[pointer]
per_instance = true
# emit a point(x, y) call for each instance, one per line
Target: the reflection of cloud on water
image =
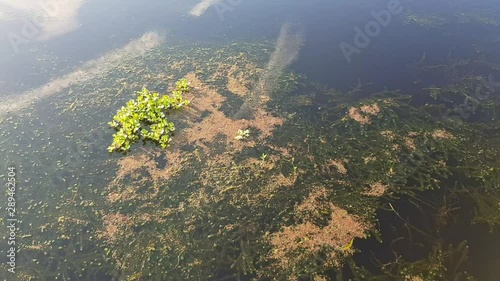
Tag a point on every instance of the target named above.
point(5, 16)
point(202, 7)
point(52, 17)
point(288, 45)
point(89, 70)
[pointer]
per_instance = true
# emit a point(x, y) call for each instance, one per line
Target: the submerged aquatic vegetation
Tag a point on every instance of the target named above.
point(148, 110)
point(459, 12)
point(291, 203)
point(298, 211)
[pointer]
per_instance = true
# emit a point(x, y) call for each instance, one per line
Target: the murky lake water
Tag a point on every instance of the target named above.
point(324, 140)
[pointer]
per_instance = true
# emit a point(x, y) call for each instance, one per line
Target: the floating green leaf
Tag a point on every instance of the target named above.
point(149, 110)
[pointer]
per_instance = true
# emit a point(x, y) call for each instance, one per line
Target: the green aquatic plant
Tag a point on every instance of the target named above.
point(148, 110)
point(242, 134)
point(182, 85)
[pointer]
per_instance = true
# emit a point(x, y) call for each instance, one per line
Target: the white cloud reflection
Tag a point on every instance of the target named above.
point(51, 18)
point(90, 70)
point(202, 7)
point(287, 48)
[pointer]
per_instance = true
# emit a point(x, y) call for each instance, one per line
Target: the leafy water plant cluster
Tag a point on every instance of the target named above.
point(148, 110)
point(242, 134)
